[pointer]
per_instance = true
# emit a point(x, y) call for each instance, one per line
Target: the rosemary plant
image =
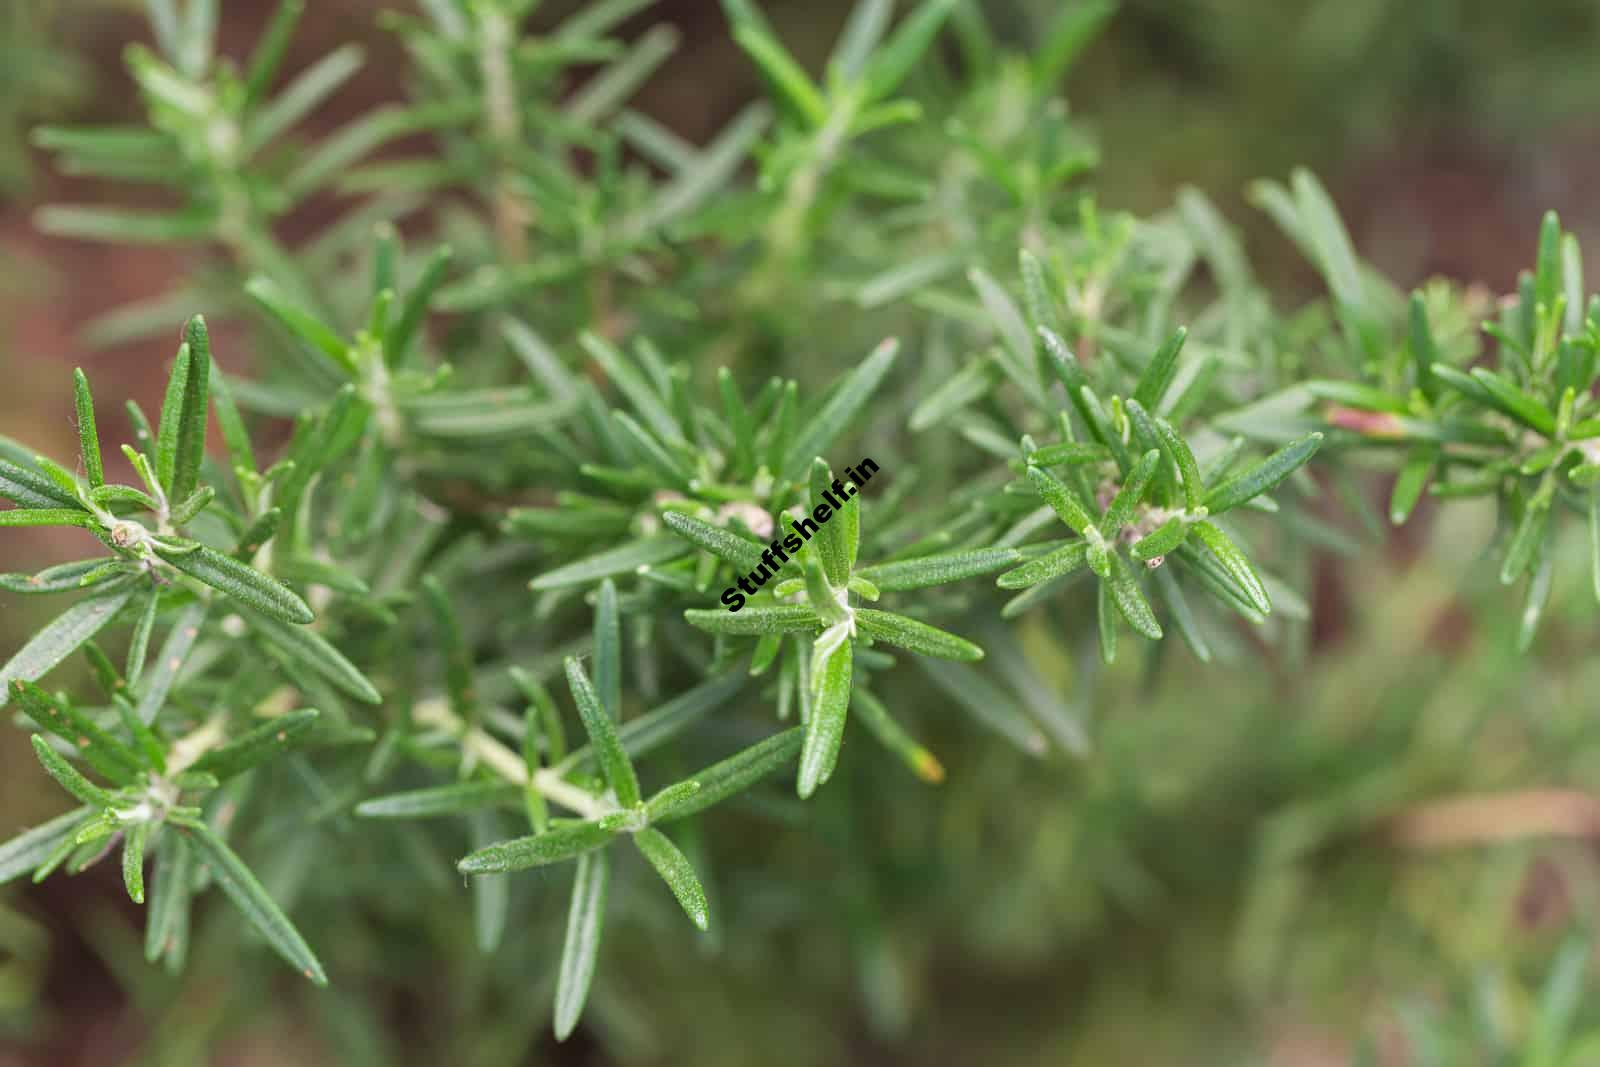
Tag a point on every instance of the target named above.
point(532, 441)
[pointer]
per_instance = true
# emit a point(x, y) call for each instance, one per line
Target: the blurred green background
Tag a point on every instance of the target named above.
point(1386, 843)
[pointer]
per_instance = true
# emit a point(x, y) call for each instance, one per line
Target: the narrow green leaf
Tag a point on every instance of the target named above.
point(47, 517)
point(1062, 500)
point(674, 868)
point(608, 650)
point(251, 897)
point(174, 650)
point(792, 87)
point(1106, 617)
point(300, 322)
point(838, 539)
point(241, 457)
point(189, 444)
point(26, 489)
point(1131, 600)
point(1526, 541)
point(754, 620)
point(1056, 564)
point(309, 649)
point(453, 644)
point(742, 552)
point(1235, 565)
point(59, 639)
point(241, 582)
point(68, 777)
point(729, 777)
point(1264, 475)
point(1547, 272)
point(1074, 26)
point(846, 400)
point(1159, 372)
point(1424, 353)
point(1016, 359)
point(30, 848)
point(900, 54)
point(939, 569)
point(185, 511)
point(166, 930)
point(825, 728)
point(871, 713)
point(397, 341)
point(106, 754)
point(656, 727)
point(133, 860)
point(88, 437)
point(581, 948)
point(1538, 596)
point(1068, 453)
point(1036, 295)
point(1413, 479)
point(167, 428)
point(301, 96)
point(457, 798)
point(1512, 400)
point(1163, 539)
point(491, 893)
point(1120, 511)
point(139, 644)
point(62, 578)
point(269, 51)
point(609, 753)
point(988, 704)
point(256, 744)
point(629, 558)
point(917, 636)
point(1181, 614)
point(560, 842)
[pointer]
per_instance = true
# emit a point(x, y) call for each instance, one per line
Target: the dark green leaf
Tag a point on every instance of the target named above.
point(917, 636)
point(251, 897)
point(1263, 476)
point(68, 777)
point(609, 753)
point(307, 648)
point(560, 842)
point(27, 489)
point(241, 582)
point(754, 620)
point(846, 400)
point(88, 437)
point(256, 744)
point(940, 569)
point(728, 777)
point(59, 639)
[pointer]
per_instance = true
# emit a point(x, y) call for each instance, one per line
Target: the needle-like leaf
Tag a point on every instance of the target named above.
point(675, 869)
point(825, 729)
point(581, 949)
point(251, 897)
point(241, 582)
point(609, 753)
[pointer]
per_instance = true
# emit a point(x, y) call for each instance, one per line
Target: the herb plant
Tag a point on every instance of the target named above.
point(509, 468)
